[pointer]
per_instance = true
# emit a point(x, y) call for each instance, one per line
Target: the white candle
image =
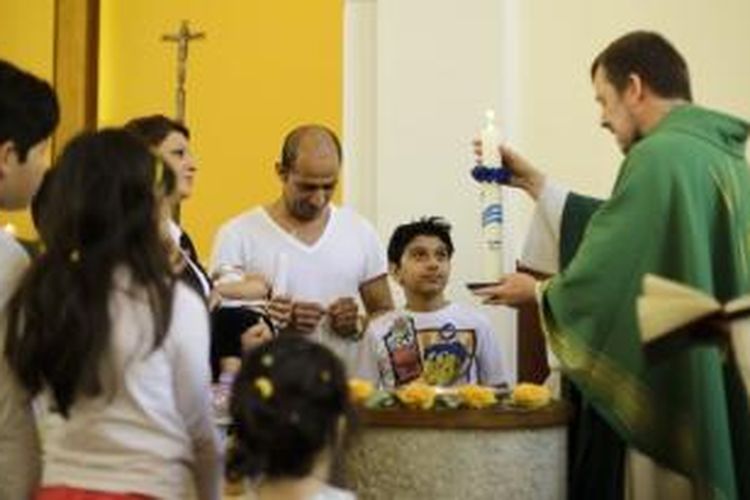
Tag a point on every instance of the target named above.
point(492, 232)
point(281, 275)
point(490, 141)
point(492, 204)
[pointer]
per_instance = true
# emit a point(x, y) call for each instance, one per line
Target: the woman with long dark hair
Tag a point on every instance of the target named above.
point(115, 346)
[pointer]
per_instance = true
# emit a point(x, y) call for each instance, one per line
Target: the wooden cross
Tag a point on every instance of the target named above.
point(183, 37)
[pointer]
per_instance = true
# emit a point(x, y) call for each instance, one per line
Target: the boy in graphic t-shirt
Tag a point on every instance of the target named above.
point(431, 338)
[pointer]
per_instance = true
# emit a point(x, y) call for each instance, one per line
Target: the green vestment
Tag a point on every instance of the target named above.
point(680, 209)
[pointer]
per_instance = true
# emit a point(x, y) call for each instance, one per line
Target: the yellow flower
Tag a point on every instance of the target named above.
point(476, 396)
point(530, 395)
point(416, 395)
point(264, 386)
point(360, 390)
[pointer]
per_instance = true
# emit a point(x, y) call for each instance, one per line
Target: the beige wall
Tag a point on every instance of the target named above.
point(559, 118)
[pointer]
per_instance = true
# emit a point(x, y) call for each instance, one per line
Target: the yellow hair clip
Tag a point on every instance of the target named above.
point(74, 256)
point(159, 172)
point(264, 386)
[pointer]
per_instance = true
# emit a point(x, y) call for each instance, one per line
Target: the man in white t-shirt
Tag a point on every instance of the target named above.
point(433, 339)
point(28, 115)
point(318, 257)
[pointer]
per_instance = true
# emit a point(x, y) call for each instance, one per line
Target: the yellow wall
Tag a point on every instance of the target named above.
point(263, 67)
point(26, 29)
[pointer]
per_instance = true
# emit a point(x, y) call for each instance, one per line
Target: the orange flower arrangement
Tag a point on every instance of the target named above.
point(530, 395)
point(360, 390)
point(416, 395)
point(476, 396)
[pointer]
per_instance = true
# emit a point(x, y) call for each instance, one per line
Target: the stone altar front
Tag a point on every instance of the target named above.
point(500, 453)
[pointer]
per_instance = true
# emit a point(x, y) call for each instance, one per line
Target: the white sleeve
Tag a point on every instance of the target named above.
point(192, 377)
point(491, 369)
point(228, 248)
point(19, 443)
point(375, 259)
point(541, 250)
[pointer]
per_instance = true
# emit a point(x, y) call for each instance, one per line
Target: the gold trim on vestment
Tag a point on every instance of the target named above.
point(631, 402)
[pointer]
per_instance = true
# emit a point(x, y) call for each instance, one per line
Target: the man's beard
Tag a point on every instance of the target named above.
point(304, 212)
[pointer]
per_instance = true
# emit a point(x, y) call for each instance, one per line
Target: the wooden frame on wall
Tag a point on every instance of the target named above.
point(76, 54)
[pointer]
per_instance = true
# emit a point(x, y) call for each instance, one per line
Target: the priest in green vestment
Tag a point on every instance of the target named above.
point(680, 208)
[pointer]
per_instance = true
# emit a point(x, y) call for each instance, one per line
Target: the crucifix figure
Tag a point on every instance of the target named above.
point(183, 37)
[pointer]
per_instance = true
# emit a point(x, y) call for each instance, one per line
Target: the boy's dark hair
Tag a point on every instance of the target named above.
point(281, 428)
point(154, 129)
point(426, 226)
point(650, 56)
point(96, 216)
point(29, 111)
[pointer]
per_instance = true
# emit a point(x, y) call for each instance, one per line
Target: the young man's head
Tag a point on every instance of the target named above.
point(419, 256)
point(632, 79)
point(309, 169)
point(29, 113)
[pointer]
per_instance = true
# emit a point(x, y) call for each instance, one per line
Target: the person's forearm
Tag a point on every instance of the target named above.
point(533, 185)
point(243, 290)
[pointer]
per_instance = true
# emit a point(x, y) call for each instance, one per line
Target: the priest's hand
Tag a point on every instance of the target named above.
point(512, 290)
point(524, 175)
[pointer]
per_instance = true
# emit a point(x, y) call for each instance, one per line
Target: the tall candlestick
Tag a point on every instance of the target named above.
point(491, 196)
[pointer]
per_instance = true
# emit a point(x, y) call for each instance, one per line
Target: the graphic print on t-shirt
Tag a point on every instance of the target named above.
point(447, 354)
point(403, 351)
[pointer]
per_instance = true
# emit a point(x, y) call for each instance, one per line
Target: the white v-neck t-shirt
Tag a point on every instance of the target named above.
point(347, 255)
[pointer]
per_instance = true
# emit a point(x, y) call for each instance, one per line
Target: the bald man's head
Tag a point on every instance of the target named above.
point(309, 171)
point(313, 140)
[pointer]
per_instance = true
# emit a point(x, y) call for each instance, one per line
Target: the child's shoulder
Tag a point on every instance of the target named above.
point(468, 313)
point(383, 321)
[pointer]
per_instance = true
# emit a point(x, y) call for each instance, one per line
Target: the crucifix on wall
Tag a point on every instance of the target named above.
point(183, 37)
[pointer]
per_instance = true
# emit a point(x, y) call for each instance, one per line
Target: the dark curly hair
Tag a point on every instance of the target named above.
point(153, 129)
point(426, 226)
point(281, 433)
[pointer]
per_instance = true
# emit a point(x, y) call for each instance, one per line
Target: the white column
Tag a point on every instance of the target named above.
point(360, 107)
point(419, 76)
